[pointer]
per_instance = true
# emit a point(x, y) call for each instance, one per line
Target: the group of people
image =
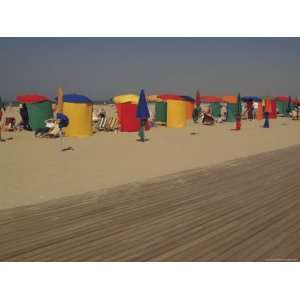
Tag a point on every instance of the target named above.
point(249, 110)
point(206, 116)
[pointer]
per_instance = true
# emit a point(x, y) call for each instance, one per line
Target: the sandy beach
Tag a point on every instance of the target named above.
point(34, 170)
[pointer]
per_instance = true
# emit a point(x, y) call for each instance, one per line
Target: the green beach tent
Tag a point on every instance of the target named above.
point(216, 109)
point(161, 111)
point(231, 112)
point(38, 113)
point(282, 108)
point(39, 109)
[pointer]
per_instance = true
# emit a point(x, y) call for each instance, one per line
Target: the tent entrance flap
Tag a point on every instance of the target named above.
point(161, 112)
point(38, 113)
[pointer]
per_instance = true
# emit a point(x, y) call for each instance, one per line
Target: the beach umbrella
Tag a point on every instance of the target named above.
point(31, 98)
point(142, 111)
point(143, 114)
point(239, 104)
point(198, 98)
point(238, 113)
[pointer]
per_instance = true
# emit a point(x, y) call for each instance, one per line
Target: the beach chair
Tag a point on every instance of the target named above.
point(101, 124)
point(112, 124)
point(10, 124)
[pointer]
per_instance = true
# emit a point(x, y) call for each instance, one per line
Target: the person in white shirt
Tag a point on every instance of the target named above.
point(255, 108)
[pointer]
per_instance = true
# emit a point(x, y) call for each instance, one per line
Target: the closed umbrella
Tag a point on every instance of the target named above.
point(238, 113)
point(289, 109)
point(198, 98)
point(143, 114)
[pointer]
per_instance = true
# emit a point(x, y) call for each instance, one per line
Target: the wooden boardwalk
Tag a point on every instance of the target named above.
point(244, 210)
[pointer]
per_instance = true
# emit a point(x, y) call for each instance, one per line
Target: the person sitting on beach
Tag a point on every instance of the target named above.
point(95, 115)
point(49, 124)
point(224, 112)
point(207, 119)
point(102, 113)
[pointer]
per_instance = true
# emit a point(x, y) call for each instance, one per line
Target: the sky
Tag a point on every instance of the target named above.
point(101, 68)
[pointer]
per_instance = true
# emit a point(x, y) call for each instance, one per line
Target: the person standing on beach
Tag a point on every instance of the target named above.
point(2, 110)
point(266, 123)
point(255, 108)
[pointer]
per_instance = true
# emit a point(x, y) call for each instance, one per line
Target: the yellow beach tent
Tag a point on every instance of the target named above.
point(176, 113)
point(131, 98)
point(79, 110)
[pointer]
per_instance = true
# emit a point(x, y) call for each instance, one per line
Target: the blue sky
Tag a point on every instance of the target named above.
point(103, 67)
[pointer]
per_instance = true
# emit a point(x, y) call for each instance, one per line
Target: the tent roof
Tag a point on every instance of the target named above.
point(251, 98)
point(282, 98)
point(75, 98)
point(211, 99)
point(31, 98)
point(230, 99)
point(126, 98)
point(175, 97)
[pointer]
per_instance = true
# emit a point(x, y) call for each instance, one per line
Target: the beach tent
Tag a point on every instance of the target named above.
point(251, 98)
point(189, 102)
point(176, 114)
point(127, 117)
point(78, 109)
point(211, 99)
point(39, 109)
point(214, 102)
point(216, 109)
point(231, 112)
point(126, 98)
point(153, 98)
point(161, 111)
point(282, 103)
point(229, 99)
point(270, 107)
point(189, 109)
point(176, 109)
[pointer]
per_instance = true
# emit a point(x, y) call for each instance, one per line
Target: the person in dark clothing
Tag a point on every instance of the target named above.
point(102, 113)
point(250, 110)
point(24, 117)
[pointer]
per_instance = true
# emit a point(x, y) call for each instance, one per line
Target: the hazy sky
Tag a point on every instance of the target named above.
point(103, 67)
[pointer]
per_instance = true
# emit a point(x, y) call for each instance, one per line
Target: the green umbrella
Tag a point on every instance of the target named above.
point(239, 104)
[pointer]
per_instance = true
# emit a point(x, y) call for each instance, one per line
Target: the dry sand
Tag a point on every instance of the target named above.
point(35, 170)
